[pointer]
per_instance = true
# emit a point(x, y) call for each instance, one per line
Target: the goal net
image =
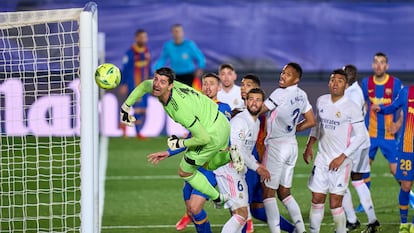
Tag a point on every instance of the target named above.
point(48, 124)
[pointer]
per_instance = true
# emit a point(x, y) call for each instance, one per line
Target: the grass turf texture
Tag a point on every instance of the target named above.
point(141, 197)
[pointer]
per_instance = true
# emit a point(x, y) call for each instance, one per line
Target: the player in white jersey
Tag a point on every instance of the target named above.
point(360, 161)
point(286, 105)
point(338, 120)
point(243, 134)
point(230, 92)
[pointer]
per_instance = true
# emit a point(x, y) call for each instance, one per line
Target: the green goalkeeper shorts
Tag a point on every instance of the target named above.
point(197, 156)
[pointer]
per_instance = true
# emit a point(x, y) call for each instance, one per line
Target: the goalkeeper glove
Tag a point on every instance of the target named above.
point(175, 143)
point(126, 118)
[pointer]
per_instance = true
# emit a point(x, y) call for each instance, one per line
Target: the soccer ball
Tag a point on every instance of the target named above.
point(107, 76)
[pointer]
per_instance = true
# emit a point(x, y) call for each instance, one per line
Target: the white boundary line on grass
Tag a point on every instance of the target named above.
point(212, 225)
point(176, 177)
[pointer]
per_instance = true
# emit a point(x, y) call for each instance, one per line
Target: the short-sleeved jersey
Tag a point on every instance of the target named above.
point(286, 106)
point(136, 66)
point(405, 101)
point(232, 98)
point(243, 133)
point(354, 93)
point(382, 94)
point(334, 127)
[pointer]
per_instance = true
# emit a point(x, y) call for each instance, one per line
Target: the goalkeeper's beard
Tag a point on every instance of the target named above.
point(254, 113)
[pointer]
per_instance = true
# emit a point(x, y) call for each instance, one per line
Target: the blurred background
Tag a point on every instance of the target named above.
point(261, 36)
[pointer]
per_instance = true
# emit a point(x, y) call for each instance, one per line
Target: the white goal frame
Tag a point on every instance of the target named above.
point(89, 93)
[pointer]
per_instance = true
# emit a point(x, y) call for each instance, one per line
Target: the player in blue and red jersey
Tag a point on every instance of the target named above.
point(381, 88)
point(137, 68)
point(405, 156)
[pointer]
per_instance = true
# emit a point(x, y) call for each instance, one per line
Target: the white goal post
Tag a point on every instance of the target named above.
point(49, 143)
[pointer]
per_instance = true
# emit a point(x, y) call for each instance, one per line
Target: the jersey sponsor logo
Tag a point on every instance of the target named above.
point(370, 90)
point(410, 110)
point(410, 100)
point(380, 101)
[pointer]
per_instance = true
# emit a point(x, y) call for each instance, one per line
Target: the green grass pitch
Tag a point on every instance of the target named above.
point(141, 197)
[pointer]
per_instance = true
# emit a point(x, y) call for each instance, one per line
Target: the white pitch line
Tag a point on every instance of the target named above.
point(212, 225)
point(176, 177)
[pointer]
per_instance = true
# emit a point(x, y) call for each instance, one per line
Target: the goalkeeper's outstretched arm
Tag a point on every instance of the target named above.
point(136, 94)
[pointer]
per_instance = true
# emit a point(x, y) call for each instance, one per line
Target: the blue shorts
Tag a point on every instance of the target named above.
point(188, 190)
point(387, 147)
point(143, 102)
point(254, 187)
point(405, 169)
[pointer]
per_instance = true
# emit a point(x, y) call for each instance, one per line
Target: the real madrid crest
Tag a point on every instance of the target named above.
point(338, 114)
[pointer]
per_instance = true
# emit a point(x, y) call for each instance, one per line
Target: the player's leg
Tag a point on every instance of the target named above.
point(337, 211)
point(366, 176)
point(338, 184)
point(186, 219)
point(405, 174)
point(317, 211)
point(188, 170)
point(290, 152)
point(234, 185)
point(352, 221)
point(275, 168)
point(196, 205)
point(200, 155)
point(237, 221)
point(198, 213)
point(257, 208)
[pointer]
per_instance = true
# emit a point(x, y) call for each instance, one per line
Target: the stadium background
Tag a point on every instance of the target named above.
point(258, 37)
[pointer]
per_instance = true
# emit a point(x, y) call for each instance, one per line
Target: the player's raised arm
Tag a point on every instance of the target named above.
point(136, 94)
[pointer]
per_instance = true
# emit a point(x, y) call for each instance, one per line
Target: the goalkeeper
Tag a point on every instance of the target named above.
point(210, 129)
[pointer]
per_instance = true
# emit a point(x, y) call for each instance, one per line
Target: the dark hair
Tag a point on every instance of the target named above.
point(351, 71)
point(297, 67)
point(256, 91)
point(340, 72)
point(226, 65)
point(176, 25)
point(211, 75)
point(166, 72)
point(253, 77)
point(139, 31)
point(381, 54)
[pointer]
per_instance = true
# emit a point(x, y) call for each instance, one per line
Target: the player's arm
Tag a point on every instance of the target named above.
point(393, 107)
point(270, 103)
point(308, 121)
point(359, 131)
point(136, 94)
point(313, 138)
point(199, 135)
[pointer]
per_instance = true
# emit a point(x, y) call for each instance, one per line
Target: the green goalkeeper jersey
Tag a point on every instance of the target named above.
point(186, 106)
